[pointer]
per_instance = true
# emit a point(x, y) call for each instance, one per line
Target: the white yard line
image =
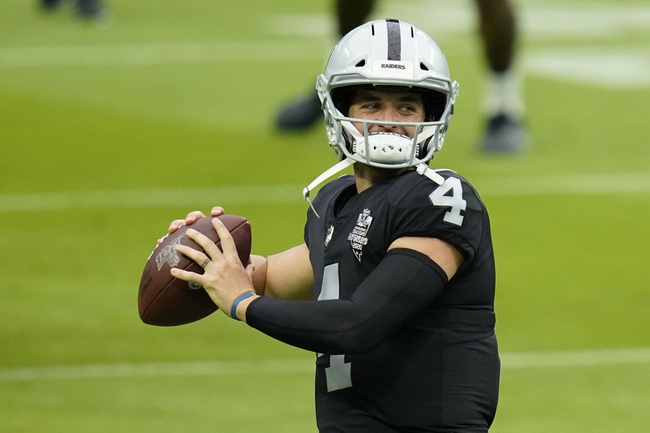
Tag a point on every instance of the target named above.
point(262, 194)
point(597, 184)
point(308, 37)
point(199, 368)
point(561, 184)
point(510, 361)
point(537, 19)
point(157, 54)
point(604, 67)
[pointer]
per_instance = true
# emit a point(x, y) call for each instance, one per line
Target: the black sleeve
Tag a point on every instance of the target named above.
point(405, 283)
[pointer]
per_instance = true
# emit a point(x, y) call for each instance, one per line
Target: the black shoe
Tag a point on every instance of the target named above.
point(299, 115)
point(90, 9)
point(504, 135)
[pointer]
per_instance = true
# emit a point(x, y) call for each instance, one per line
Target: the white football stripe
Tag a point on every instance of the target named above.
point(621, 68)
point(613, 183)
point(198, 368)
point(575, 184)
point(262, 194)
point(156, 54)
point(579, 358)
point(594, 64)
point(527, 360)
point(440, 18)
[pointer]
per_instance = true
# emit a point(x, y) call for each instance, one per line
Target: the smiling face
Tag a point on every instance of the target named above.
point(388, 105)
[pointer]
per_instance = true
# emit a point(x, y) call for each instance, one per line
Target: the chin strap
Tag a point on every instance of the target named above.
point(324, 176)
point(424, 170)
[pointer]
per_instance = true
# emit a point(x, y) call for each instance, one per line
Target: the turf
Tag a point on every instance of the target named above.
point(109, 132)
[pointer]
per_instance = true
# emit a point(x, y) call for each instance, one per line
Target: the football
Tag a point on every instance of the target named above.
point(167, 301)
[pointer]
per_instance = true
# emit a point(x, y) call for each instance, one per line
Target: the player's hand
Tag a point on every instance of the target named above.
point(224, 277)
point(190, 219)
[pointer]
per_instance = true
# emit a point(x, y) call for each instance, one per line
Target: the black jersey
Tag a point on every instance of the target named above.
point(440, 371)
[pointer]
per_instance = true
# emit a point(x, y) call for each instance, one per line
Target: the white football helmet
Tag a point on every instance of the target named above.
point(385, 53)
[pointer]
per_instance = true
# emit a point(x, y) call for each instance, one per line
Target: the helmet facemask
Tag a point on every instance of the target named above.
point(385, 149)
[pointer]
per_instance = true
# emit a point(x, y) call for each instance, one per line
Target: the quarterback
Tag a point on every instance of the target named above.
point(394, 285)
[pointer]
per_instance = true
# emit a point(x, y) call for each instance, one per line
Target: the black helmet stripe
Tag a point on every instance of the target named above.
point(394, 40)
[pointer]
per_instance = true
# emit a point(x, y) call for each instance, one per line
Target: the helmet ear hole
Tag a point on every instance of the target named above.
point(361, 64)
point(423, 67)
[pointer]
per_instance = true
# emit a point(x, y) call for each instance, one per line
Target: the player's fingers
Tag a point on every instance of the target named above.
point(189, 219)
point(204, 242)
point(227, 242)
point(217, 210)
point(198, 256)
point(175, 225)
point(193, 216)
point(186, 275)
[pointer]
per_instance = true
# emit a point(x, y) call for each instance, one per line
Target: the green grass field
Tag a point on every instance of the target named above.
point(109, 132)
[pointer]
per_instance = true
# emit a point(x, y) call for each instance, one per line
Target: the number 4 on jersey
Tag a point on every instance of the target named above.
point(441, 197)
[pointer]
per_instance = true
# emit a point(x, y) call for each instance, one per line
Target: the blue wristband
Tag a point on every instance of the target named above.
point(238, 299)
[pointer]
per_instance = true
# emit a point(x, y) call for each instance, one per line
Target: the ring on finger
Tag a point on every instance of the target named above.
point(205, 263)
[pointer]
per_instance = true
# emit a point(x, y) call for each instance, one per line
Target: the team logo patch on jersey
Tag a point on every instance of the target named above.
point(328, 236)
point(358, 238)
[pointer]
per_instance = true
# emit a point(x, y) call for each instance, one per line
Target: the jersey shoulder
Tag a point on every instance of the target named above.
point(413, 190)
point(447, 207)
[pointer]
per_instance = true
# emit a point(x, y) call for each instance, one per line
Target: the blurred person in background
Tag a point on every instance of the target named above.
point(87, 9)
point(503, 101)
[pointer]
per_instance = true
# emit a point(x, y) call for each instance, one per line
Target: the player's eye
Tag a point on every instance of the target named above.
point(371, 106)
point(408, 108)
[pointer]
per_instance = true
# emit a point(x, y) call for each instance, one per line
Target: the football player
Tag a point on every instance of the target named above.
point(394, 285)
point(87, 9)
point(505, 131)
